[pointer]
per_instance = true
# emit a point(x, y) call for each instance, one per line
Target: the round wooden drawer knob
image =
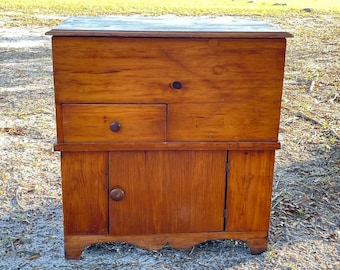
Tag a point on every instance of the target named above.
point(115, 126)
point(176, 85)
point(117, 194)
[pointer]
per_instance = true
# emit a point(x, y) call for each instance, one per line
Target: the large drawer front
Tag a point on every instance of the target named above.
point(141, 70)
point(91, 123)
point(248, 120)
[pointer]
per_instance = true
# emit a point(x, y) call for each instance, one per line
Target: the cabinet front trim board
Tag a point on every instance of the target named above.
point(162, 146)
point(75, 244)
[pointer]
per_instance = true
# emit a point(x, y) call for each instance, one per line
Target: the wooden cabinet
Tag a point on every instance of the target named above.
point(167, 128)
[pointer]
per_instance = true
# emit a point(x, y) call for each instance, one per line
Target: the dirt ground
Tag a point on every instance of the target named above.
point(305, 220)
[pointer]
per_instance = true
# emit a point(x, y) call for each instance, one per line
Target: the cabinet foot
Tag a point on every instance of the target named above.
point(257, 245)
point(73, 251)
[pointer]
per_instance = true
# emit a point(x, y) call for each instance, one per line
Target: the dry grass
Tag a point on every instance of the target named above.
point(28, 12)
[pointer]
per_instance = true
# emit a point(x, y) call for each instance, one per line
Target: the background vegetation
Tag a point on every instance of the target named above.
point(28, 12)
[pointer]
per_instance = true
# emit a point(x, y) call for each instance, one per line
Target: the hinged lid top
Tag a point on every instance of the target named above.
point(168, 26)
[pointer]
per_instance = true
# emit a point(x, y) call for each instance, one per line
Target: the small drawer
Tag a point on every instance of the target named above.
point(247, 120)
point(114, 123)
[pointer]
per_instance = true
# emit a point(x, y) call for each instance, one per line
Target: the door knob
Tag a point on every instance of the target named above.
point(115, 126)
point(117, 194)
point(177, 85)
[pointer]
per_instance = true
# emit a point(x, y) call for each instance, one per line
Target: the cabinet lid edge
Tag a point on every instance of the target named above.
point(168, 26)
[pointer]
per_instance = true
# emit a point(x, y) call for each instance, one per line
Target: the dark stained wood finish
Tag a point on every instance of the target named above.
point(91, 123)
point(85, 196)
point(97, 70)
point(167, 192)
point(249, 190)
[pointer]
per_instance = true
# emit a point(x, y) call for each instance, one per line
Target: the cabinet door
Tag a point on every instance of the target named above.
point(167, 191)
point(85, 185)
point(249, 188)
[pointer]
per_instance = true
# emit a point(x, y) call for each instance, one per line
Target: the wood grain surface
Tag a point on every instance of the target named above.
point(113, 70)
point(91, 123)
point(250, 181)
point(168, 191)
point(246, 120)
point(85, 196)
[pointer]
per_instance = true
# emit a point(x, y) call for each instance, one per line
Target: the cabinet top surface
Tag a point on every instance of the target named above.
point(168, 26)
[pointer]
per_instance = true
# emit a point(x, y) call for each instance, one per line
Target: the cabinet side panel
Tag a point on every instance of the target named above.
point(85, 196)
point(249, 190)
point(59, 122)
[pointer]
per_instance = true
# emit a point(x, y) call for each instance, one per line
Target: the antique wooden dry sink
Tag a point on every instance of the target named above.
point(167, 129)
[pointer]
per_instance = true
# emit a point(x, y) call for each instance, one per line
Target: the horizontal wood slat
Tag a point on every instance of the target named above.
point(162, 146)
point(75, 243)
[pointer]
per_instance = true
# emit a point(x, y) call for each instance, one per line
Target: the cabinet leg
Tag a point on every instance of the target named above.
point(73, 251)
point(257, 245)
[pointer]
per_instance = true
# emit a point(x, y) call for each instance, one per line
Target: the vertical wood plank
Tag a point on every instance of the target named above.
point(59, 122)
point(249, 190)
point(194, 186)
point(127, 172)
point(168, 191)
point(85, 192)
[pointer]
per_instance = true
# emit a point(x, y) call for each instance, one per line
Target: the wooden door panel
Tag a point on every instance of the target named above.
point(85, 185)
point(249, 190)
point(167, 191)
